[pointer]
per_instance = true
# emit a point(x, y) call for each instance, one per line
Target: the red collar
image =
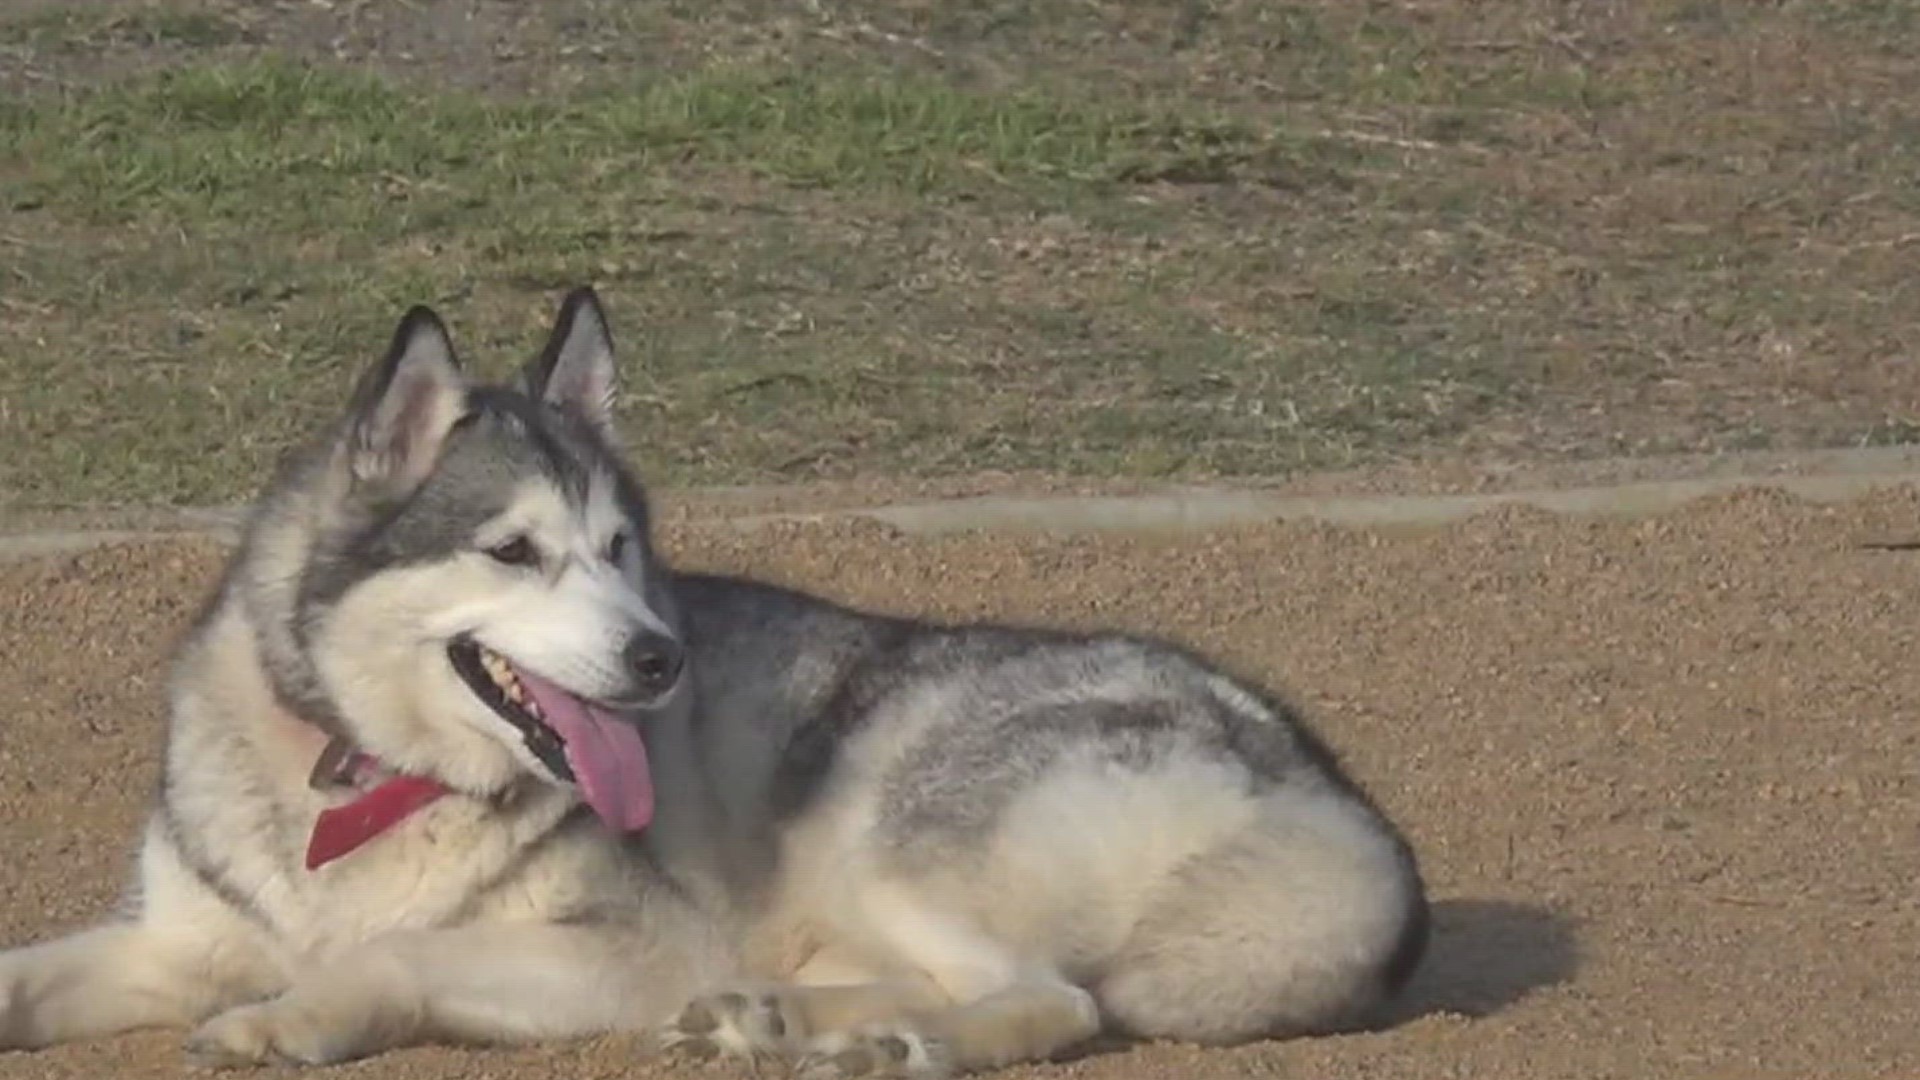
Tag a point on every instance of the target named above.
point(386, 799)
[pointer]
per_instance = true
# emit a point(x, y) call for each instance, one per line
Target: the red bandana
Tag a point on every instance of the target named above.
point(341, 829)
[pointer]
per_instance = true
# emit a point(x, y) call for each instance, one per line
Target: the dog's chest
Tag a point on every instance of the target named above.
point(445, 864)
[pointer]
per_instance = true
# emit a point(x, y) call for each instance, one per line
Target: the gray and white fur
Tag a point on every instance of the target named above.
point(878, 846)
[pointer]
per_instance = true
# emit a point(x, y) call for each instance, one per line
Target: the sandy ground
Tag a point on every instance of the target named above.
point(1661, 773)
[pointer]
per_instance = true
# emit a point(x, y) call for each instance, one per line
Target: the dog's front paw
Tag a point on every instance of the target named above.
point(269, 1033)
point(885, 1050)
point(750, 1023)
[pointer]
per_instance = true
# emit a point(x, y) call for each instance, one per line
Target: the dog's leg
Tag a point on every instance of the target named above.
point(184, 956)
point(1305, 922)
point(1032, 1020)
point(484, 983)
point(103, 981)
point(828, 994)
point(972, 1004)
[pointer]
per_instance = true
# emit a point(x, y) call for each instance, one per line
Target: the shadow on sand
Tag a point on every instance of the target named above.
point(1484, 956)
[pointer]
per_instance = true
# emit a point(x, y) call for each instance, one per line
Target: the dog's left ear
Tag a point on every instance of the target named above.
point(575, 371)
point(405, 405)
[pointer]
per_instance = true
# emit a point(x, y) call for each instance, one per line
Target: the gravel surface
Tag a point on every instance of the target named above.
point(1661, 772)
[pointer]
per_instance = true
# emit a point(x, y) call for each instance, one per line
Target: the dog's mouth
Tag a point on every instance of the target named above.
point(495, 683)
point(578, 740)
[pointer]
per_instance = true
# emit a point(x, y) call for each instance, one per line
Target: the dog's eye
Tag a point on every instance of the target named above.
point(515, 552)
point(616, 547)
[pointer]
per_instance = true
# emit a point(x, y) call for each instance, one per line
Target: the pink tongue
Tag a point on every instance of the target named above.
point(605, 752)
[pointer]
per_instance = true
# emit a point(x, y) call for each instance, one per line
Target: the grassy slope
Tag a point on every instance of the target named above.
point(1170, 239)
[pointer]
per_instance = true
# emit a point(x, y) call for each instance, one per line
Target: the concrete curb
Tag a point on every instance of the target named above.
point(1832, 477)
point(1209, 510)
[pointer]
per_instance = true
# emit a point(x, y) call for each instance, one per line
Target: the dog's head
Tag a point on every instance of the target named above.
point(477, 595)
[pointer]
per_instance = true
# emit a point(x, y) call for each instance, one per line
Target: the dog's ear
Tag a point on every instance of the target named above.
point(575, 371)
point(406, 404)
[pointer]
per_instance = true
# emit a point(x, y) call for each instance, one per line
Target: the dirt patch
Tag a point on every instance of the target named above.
point(1660, 772)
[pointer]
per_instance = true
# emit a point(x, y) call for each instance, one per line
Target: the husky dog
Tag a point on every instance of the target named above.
point(402, 783)
point(454, 756)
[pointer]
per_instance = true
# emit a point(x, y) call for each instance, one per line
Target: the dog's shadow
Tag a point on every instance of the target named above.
point(1485, 955)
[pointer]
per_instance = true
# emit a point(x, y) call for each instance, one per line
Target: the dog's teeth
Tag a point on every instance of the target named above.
point(502, 674)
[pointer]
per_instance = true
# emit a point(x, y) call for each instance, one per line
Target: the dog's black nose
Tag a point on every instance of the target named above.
point(655, 660)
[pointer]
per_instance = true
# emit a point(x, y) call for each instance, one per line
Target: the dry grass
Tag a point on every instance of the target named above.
point(1146, 239)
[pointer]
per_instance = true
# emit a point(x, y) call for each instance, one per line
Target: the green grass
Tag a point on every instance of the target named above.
point(264, 222)
point(218, 143)
point(1151, 239)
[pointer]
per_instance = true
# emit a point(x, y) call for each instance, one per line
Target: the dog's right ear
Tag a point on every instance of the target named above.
point(406, 404)
point(575, 371)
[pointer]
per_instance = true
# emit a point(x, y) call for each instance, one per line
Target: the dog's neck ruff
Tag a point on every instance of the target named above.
point(385, 800)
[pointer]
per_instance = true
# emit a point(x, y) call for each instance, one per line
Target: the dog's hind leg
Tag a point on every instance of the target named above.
point(1031, 1020)
point(998, 1009)
point(773, 1020)
point(829, 993)
point(948, 999)
point(904, 1026)
point(1303, 923)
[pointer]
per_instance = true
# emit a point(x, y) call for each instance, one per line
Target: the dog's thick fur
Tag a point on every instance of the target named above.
point(878, 846)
